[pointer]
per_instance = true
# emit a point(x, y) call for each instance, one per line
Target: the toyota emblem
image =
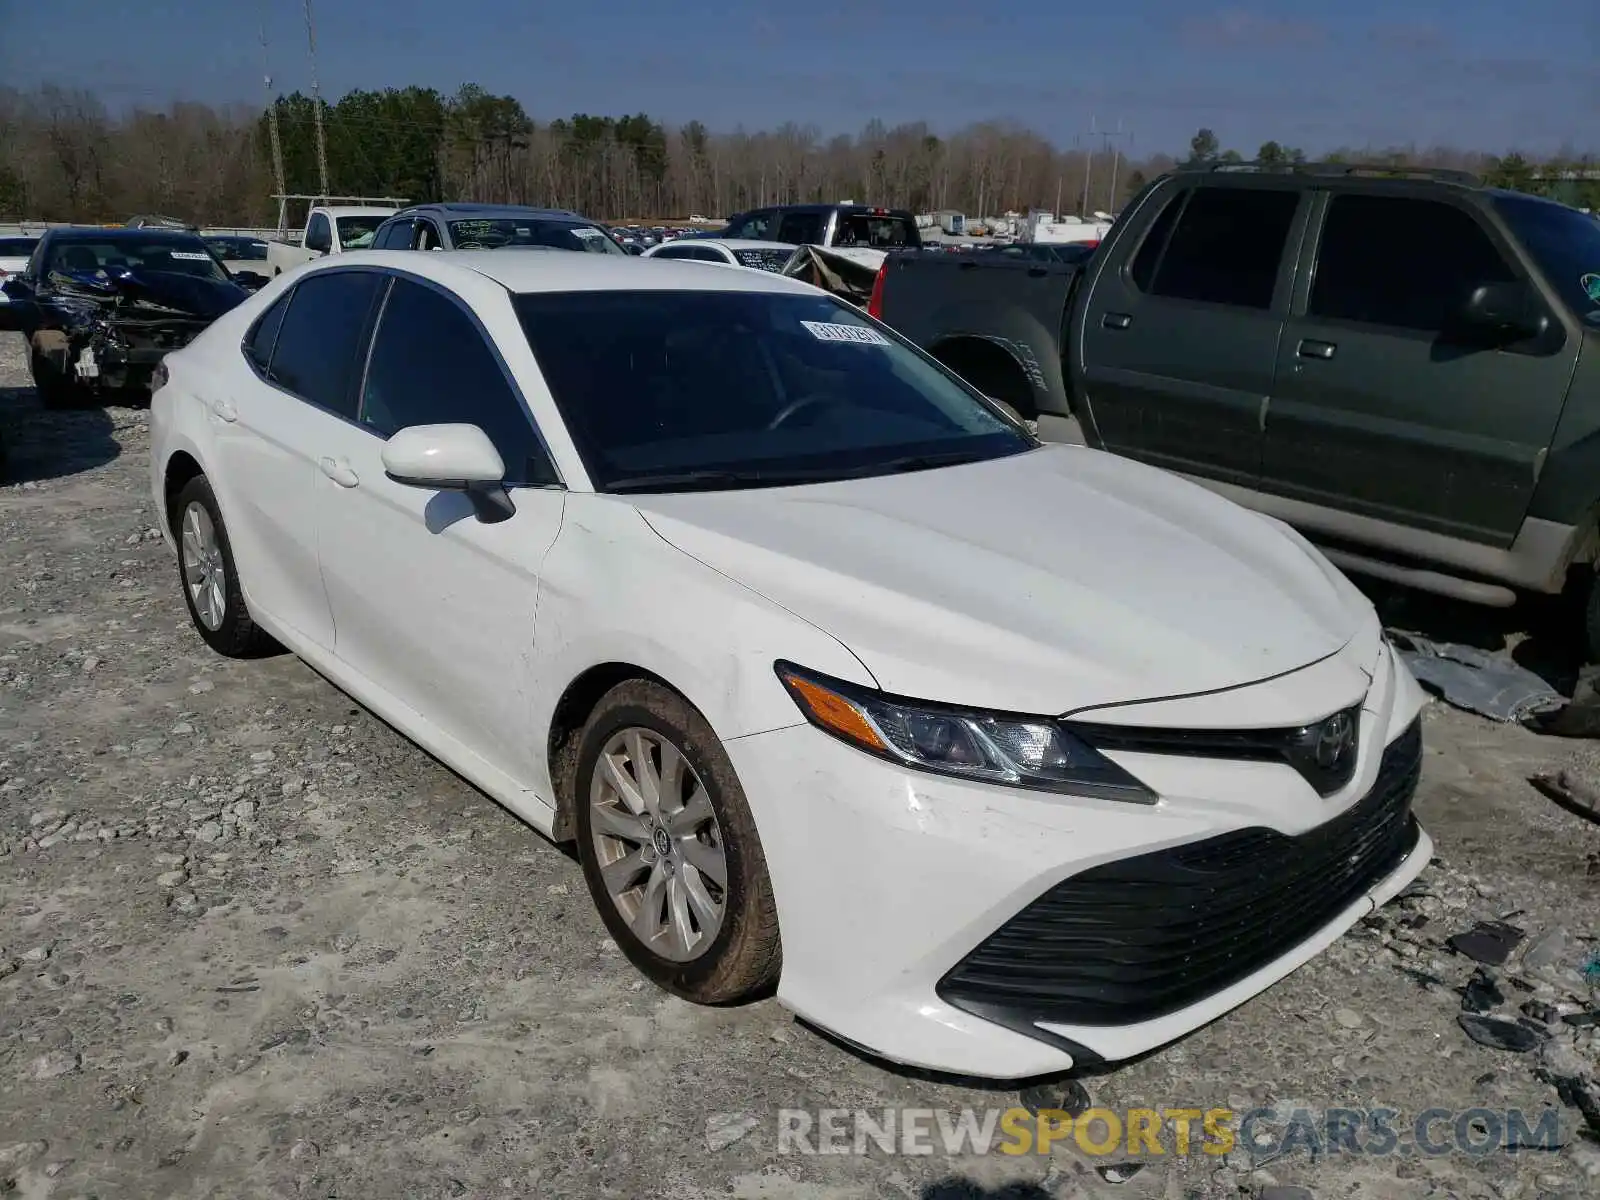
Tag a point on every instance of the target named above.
point(1335, 738)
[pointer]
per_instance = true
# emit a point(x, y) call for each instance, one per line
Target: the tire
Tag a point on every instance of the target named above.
point(1591, 616)
point(56, 389)
point(203, 551)
point(737, 955)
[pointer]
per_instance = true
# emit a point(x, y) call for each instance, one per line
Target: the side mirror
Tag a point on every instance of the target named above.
point(1508, 310)
point(451, 458)
point(249, 279)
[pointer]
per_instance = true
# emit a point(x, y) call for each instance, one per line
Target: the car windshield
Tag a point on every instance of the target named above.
point(512, 233)
point(355, 233)
point(176, 253)
point(691, 390)
point(240, 249)
point(1566, 245)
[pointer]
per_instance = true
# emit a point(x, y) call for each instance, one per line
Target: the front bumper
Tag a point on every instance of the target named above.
point(894, 889)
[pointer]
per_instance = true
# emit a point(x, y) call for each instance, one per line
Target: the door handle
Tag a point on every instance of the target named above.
point(224, 410)
point(1116, 320)
point(338, 470)
point(1314, 349)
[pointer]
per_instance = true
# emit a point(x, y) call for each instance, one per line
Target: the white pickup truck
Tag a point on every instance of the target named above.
point(329, 230)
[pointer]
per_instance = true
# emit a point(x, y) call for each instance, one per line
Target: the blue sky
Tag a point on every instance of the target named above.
point(1464, 72)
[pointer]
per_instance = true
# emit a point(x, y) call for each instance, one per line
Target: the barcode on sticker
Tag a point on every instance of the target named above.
point(191, 255)
point(825, 332)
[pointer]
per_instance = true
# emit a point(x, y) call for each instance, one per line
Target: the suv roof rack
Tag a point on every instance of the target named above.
point(1346, 170)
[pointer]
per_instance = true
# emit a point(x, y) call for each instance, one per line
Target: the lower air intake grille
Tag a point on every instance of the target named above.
point(1142, 937)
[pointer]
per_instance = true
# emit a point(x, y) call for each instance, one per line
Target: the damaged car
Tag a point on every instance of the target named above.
point(101, 307)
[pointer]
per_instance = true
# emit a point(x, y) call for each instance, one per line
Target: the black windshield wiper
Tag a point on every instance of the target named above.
point(927, 462)
point(701, 481)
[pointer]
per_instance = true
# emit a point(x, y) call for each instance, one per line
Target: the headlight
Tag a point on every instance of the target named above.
point(1003, 748)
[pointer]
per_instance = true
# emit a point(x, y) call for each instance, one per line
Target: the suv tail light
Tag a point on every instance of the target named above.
point(875, 301)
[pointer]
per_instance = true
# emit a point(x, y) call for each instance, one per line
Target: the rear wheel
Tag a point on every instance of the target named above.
point(670, 850)
point(209, 577)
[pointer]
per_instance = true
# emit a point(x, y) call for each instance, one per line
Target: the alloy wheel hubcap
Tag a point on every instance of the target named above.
point(203, 571)
point(658, 844)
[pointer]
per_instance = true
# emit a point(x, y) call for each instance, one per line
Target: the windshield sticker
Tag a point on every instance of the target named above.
point(191, 255)
point(825, 332)
point(1591, 286)
point(584, 232)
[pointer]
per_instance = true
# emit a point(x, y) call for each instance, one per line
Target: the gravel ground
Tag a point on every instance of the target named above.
point(254, 943)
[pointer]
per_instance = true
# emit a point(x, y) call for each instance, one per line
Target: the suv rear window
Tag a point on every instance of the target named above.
point(875, 231)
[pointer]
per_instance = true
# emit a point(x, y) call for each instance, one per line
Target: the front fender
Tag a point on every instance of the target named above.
point(612, 591)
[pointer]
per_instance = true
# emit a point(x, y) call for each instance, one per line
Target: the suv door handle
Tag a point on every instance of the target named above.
point(224, 410)
point(339, 471)
point(1116, 320)
point(1310, 348)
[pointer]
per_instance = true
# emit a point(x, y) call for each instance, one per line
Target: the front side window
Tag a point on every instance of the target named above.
point(393, 235)
point(1400, 262)
point(322, 336)
point(1227, 247)
point(430, 365)
point(676, 390)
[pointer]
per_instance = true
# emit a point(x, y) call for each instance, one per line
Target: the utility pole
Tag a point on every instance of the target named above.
point(272, 131)
point(1106, 139)
point(316, 106)
point(1088, 167)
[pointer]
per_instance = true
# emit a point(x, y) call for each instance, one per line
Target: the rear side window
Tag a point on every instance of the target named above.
point(801, 228)
point(1155, 241)
point(1403, 263)
point(755, 225)
point(1226, 247)
point(322, 337)
point(258, 344)
point(431, 365)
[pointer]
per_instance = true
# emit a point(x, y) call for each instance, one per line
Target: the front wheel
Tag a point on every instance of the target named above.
point(209, 577)
point(669, 848)
point(56, 389)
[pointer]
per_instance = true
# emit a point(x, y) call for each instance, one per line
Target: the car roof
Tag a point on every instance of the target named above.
point(571, 271)
point(117, 233)
point(488, 210)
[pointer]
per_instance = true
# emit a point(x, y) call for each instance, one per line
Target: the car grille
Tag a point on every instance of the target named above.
point(1142, 937)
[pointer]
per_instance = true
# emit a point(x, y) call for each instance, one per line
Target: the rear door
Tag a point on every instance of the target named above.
point(1383, 405)
point(1180, 340)
point(268, 424)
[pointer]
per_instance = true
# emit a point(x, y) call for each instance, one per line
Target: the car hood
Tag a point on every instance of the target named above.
point(193, 295)
point(1059, 579)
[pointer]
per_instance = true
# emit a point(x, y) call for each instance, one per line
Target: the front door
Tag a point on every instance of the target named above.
point(1179, 348)
point(1383, 405)
point(430, 604)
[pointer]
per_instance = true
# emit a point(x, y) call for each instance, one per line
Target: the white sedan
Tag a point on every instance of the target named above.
point(732, 252)
point(992, 756)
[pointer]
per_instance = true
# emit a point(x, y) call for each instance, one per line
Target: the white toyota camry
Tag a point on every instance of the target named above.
point(990, 756)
